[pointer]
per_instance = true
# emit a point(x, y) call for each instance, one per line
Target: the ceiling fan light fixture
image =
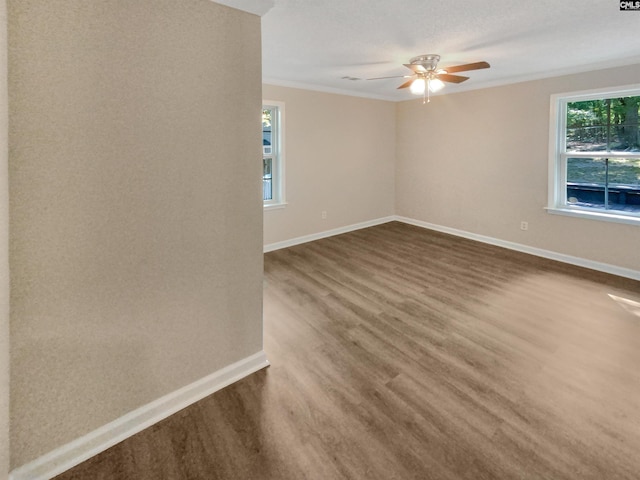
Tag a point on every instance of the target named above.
point(435, 85)
point(418, 86)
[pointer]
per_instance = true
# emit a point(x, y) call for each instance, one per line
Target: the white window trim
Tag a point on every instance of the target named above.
point(278, 165)
point(557, 192)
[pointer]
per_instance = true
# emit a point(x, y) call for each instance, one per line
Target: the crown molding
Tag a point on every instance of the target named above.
point(324, 89)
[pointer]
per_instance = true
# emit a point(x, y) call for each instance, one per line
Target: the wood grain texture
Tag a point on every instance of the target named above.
point(400, 353)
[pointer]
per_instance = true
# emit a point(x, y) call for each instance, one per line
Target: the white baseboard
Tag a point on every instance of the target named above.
point(327, 233)
point(539, 252)
point(85, 447)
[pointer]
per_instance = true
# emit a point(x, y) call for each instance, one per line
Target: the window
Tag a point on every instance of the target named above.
point(273, 154)
point(594, 168)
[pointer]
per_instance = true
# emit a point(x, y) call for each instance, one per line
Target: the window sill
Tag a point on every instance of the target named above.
point(274, 206)
point(595, 215)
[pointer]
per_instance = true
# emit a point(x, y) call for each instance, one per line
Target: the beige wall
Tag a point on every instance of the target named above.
point(477, 161)
point(4, 250)
point(339, 158)
point(136, 212)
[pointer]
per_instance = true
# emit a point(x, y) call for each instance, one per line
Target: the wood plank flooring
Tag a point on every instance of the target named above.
point(400, 353)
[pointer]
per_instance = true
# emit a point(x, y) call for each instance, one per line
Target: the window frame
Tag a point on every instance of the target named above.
point(558, 155)
point(277, 155)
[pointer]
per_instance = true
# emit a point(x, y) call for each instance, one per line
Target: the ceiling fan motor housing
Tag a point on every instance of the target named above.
point(429, 62)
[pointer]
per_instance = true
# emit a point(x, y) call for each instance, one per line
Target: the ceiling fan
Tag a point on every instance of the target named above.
point(427, 77)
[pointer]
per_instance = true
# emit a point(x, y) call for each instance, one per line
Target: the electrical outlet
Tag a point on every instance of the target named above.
point(524, 225)
point(324, 214)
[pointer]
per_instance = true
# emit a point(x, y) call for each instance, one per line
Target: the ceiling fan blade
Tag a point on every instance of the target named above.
point(406, 84)
point(467, 67)
point(415, 67)
point(395, 76)
point(445, 77)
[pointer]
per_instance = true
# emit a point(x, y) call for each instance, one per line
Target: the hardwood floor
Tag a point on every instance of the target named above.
point(400, 353)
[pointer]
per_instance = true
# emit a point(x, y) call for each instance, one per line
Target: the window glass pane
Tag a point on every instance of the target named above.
point(586, 179)
point(624, 138)
point(267, 179)
point(624, 184)
point(605, 124)
point(624, 124)
point(613, 184)
point(267, 144)
point(272, 154)
point(624, 171)
point(588, 113)
point(587, 125)
point(587, 138)
point(586, 170)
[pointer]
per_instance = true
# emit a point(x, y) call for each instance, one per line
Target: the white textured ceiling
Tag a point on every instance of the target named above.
point(314, 43)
